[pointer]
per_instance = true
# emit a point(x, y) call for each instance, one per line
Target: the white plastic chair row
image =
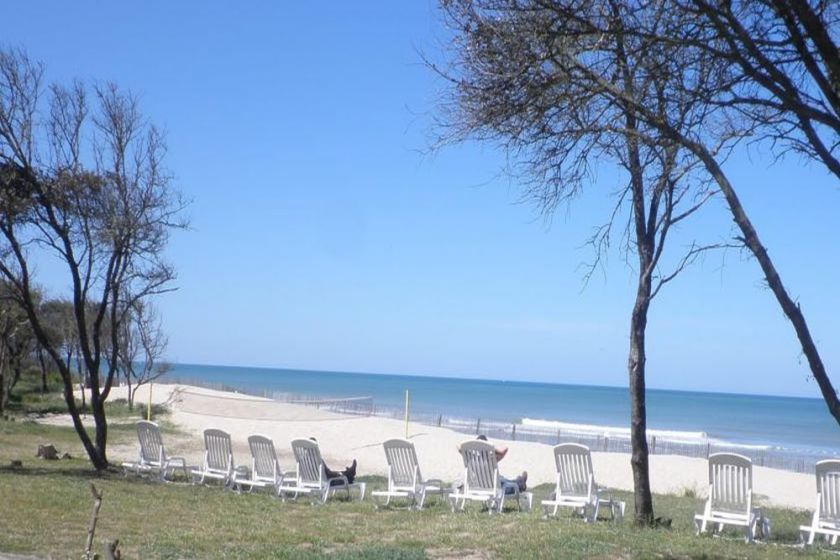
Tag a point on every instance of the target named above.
point(309, 477)
point(730, 500)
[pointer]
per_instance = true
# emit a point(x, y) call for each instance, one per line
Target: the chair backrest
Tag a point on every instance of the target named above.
point(730, 478)
point(219, 452)
point(402, 461)
point(574, 469)
point(151, 444)
point(481, 465)
point(310, 466)
point(264, 456)
point(828, 486)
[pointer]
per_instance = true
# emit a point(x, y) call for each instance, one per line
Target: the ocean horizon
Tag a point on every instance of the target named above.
point(795, 426)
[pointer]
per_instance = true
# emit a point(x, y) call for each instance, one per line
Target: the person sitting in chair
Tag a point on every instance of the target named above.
point(334, 477)
point(508, 484)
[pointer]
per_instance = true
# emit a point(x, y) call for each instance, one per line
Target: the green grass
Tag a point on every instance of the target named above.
point(46, 507)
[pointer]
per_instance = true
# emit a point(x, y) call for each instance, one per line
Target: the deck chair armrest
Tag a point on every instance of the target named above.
point(433, 482)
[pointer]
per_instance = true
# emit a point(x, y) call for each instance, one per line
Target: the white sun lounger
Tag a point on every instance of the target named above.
point(826, 518)
point(404, 478)
point(730, 500)
point(576, 488)
point(265, 469)
point(218, 458)
point(482, 482)
point(311, 477)
point(153, 456)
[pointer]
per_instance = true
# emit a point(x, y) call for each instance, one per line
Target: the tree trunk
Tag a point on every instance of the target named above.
point(43, 363)
point(789, 307)
point(97, 406)
point(645, 245)
point(3, 396)
point(638, 413)
point(97, 456)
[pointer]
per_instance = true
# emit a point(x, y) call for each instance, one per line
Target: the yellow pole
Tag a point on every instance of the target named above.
point(406, 414)
point(149, 407)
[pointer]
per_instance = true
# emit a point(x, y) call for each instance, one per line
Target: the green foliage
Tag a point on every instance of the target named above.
point(26, 398)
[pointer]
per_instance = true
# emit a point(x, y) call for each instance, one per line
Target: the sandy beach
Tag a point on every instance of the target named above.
point(343, 438)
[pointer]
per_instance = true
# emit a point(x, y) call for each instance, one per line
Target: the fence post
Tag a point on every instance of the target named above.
point(606, 442)
point(708, 450)
point(513, 434)
point(440, 419)
point(478, 426)
point(653, 445)
point(559, 437)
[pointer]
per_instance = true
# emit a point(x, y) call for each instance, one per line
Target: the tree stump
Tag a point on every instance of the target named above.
point(47, 452)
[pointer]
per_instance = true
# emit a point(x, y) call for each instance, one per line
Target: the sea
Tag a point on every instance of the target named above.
point(784, 432)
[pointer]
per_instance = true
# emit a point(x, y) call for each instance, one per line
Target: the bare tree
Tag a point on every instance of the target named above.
point(755, 77)
point(84, 184)
point(509, 86)
point(142, 344)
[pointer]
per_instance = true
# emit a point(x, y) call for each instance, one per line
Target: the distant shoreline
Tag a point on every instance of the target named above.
point(489, 379)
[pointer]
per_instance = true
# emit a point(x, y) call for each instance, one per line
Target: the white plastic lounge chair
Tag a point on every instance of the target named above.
point(218, 458)
point(730, 500)
point(482, 482)
point(153, 456)
point(311, 477)
point(404, 478)
point(826, 519)
point(265, 469)
point(576, 487)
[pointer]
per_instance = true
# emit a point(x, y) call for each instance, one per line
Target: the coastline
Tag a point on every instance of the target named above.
point(343, 438)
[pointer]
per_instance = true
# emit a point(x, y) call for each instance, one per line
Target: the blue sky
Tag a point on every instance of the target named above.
point(324, 236)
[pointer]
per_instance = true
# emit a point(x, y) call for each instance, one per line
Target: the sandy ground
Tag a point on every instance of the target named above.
point(343, 438)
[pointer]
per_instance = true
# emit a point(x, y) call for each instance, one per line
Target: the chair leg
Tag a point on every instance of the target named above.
point(750, 529)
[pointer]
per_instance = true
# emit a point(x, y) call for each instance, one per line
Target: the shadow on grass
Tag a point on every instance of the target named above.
point(68, 471)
